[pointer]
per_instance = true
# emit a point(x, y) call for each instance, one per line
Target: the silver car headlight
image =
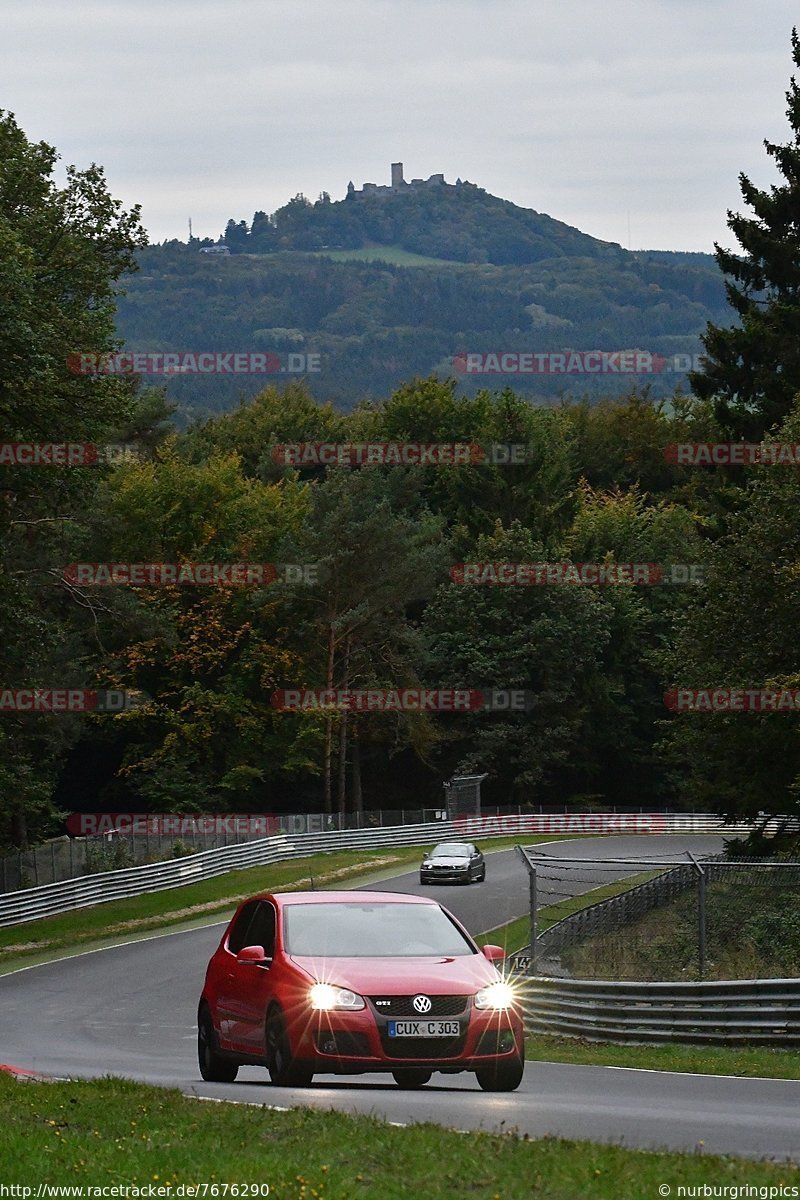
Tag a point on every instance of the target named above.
point(496, 995)
point(326, 998)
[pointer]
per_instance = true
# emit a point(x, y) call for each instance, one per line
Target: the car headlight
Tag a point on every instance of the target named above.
point(325, 998)
point(496, 995)
point(427, 864)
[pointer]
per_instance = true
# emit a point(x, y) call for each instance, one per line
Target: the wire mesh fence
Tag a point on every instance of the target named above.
point(714, 918)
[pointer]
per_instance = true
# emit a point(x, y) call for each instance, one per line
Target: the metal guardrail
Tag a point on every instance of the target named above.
point(760, 1010)
point(88, 853)
point(49, 900)
point(35, 903)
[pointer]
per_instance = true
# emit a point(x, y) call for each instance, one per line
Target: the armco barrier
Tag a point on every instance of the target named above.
point(34, 903)
point(759, 1010)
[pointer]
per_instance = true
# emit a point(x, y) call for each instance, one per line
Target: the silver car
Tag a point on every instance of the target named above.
point(453, 862)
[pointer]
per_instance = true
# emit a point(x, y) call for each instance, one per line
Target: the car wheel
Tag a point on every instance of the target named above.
point(214, 1068)
point(482, 875)
point(411, 1077)
point(501, 1076)
point(421, 879)
point(283, 1069)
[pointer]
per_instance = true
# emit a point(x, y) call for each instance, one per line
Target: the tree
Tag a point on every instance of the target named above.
point(61, 251)
point(752, 370)
point(741, 632)
point(208, 657)
point(546, 641)
point(380, 553)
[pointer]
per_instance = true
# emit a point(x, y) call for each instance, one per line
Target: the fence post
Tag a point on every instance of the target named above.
point(701, 915)
point(534, 903)
point(533, 900)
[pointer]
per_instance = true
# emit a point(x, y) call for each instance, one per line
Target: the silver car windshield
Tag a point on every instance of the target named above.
point(371, 931)
point(451, 850)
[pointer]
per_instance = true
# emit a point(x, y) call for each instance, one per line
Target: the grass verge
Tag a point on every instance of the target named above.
point(112, 1131)
point(763, 1062)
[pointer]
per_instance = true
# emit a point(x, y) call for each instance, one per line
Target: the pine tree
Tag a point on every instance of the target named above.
point(752, 370)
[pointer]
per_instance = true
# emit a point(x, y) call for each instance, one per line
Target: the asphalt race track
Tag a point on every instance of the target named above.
point(130, 1010)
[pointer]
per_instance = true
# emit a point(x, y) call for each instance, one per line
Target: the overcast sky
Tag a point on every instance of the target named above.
point(631, 122)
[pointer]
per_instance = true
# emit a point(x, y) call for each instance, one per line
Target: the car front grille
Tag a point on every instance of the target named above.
point(425, 1048)
point(402, 1006)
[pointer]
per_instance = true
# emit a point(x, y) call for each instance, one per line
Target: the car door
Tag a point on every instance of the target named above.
point(475, 862)
point(244, 993)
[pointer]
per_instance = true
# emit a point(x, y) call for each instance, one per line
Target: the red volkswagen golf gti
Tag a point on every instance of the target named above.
point(349, 982)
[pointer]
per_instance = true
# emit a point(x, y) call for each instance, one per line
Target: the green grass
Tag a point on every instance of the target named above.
point(390, 254)
point(203, 902)
point(113, 1131)
point(753, 932)
point(756, 1061)
point(516, 934)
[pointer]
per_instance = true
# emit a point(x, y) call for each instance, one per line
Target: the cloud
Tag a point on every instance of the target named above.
point(650, 107)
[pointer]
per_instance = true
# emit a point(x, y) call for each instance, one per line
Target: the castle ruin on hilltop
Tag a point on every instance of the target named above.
point(398, 184)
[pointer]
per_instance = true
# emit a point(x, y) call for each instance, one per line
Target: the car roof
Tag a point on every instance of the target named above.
point(285, 898)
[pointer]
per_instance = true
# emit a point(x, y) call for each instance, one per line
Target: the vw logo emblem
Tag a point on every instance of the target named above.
point(422, 1004)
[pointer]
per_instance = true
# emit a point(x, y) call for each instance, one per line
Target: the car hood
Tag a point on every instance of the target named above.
point(402, 976)
point(447, 861)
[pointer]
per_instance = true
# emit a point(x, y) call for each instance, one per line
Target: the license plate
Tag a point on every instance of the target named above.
point(424, 1029)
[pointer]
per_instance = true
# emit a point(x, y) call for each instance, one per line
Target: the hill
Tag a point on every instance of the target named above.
point(388, 286)
point(455, 222)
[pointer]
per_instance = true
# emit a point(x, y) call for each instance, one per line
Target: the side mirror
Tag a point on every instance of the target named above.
point(255, 955)
point(494, 953)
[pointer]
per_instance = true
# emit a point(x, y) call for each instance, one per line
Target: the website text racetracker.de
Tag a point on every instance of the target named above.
point(189, 362)
point(573, 362)
point(135, 1191)
point(563, 823)
point(449, 700)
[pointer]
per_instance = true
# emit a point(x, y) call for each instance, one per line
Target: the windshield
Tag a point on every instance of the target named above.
point(372, 931)
point(450, 850)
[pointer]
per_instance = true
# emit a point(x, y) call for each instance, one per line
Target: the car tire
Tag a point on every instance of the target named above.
point(422, 881)
point(284, 1071)
point(411, 1077)
point(482, 876)
point(214, 1067)
point(501, 1076)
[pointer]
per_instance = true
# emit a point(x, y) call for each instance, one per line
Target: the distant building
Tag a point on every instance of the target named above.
point(215, 250)
point(398, 184)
